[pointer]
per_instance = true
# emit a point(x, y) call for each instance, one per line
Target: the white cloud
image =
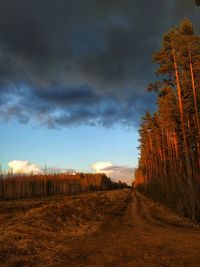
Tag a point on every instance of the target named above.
point(115, 172)
point(24, 166)
point(100, 166)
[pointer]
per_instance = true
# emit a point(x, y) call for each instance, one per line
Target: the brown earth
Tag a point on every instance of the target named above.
point(115, 228)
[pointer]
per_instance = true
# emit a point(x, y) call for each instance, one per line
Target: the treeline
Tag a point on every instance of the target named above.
point(169, 164)
point(25, 186)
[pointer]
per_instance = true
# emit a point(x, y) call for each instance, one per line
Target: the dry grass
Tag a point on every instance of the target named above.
point(166, 215)
point(101, 229)
point(34, 231)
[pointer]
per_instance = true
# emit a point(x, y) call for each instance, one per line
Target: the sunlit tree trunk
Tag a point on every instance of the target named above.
point(196, 108)
point(188, 168)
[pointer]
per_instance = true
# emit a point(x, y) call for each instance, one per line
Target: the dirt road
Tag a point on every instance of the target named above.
point(133, 237)
point(136, 232)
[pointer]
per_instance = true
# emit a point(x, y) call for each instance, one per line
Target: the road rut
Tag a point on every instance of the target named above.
point(133, 237)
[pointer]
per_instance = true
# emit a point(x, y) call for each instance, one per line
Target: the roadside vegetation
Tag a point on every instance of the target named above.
point(169, 165)
point(41, 185)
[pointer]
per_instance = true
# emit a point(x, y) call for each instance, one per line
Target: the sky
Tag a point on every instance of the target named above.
point(73, 79)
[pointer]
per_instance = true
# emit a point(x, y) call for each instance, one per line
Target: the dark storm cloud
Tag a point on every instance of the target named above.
point(61, 105)
point(82, 62)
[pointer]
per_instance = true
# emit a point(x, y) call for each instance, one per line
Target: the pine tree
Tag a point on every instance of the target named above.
point(170, 139)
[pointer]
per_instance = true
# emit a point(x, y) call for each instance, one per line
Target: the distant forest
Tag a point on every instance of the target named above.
point(169, 164)
point(41, 185)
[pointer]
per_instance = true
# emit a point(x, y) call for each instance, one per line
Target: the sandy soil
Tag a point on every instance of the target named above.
point(116, 228)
